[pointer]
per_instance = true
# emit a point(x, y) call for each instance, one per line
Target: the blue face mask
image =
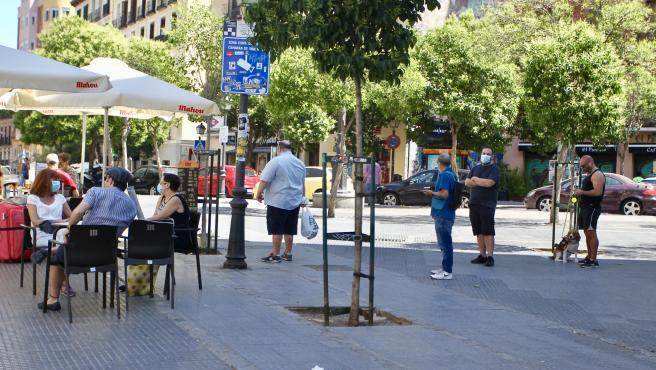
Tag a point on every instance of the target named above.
point(55, 186)
point(486, 158)
point(160, 188)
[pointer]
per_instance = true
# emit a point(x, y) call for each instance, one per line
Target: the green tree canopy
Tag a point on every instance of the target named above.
point(477, 97)
point(573, 87)
point(77, 42)
point(302, 101)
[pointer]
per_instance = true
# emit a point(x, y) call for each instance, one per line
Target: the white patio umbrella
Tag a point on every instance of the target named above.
point(133, 94)
point(22, 70)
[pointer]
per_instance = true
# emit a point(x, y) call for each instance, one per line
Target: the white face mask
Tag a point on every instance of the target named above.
point(486, 158)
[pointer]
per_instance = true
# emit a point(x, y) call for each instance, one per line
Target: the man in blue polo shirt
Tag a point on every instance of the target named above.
point(443, 216)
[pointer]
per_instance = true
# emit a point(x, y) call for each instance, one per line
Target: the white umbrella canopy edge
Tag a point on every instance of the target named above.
point(23, 70)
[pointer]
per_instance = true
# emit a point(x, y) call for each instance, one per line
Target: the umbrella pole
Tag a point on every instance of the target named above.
point(105, 140)
point(83, 149)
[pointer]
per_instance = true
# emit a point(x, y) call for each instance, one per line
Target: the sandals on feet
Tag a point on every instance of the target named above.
point(67, 291)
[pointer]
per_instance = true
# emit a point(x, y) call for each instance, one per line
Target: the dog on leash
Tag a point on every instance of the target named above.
point(568, 246)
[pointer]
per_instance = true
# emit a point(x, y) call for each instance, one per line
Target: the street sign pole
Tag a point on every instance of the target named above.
point(236, 254)
point(245, 71)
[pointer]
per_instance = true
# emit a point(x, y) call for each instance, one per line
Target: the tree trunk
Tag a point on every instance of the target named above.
point(454, 145)
point(623, 148)
point(355, 296)
point(558, 178)
point(124, 142)
point(337, 168)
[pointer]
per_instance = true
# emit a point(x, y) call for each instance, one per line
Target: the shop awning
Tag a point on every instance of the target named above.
point(642, 148)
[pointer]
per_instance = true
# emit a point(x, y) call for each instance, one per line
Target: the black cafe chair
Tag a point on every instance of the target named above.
point(29, 243)
point(192, 232)
point(90, 248)
point(150, 243)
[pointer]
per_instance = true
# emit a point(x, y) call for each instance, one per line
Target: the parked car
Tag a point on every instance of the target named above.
point(622, 195)
point(250, 180)
point(649, 180)
point(314, 180)
point(409, 192)
point(146, 178)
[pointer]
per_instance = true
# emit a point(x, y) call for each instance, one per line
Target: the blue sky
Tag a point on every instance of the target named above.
point(9, 22)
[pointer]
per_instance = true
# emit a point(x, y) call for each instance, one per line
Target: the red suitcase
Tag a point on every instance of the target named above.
point(11, 233)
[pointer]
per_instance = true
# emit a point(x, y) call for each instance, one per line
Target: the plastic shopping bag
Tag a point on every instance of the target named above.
point(309, 227)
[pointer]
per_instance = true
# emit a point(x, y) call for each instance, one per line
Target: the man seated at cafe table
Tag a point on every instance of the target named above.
point(106, 206)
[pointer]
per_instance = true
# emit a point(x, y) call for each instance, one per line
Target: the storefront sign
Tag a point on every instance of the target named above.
point(440, 135)
point(590, 149)
point(642, 148)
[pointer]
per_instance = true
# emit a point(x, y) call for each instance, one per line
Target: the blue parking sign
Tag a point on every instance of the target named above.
point(245, 68)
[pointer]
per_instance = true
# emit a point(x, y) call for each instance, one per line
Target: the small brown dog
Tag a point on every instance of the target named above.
point(568, 246)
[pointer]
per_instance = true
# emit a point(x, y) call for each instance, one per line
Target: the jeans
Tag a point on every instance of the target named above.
point(443, 228)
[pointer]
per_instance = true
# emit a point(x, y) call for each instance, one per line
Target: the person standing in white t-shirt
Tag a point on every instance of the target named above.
point(44, 204)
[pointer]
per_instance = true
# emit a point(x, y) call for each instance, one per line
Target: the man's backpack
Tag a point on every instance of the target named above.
point(455, 198)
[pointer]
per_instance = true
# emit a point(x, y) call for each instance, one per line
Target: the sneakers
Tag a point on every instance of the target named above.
point(489, 261)
point(586, 259)
point(479, 260)
point(438, 271)
point(286, 257)
point(271, 259)
point(442, 275)
point(590, 263)
point(39, 255)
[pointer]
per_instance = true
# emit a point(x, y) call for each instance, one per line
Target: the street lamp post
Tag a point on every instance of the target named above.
point(236, 254)
point(200, 130)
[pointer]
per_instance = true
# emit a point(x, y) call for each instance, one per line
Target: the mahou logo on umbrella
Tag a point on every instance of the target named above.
point(86, 85)
point(186, 109)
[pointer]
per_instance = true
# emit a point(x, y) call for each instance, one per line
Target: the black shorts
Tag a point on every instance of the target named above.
point(588, 217)
point(282, 221)
point(482, 219)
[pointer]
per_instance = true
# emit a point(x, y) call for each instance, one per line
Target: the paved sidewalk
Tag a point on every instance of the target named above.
point(525, 313)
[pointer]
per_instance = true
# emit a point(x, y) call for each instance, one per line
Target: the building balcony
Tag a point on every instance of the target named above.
point(162, 4)
point(152, 6)
point(120, 22)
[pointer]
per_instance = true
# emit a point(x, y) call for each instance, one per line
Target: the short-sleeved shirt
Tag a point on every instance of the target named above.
point(54, 211)
point(66, 179)
point(285, 175)
point(445, 180)
point(486, 197)
point(109, 206)
point(366, 173)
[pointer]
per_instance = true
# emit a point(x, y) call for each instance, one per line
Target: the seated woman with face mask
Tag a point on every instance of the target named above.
point(45, 206)
point(170, 205)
